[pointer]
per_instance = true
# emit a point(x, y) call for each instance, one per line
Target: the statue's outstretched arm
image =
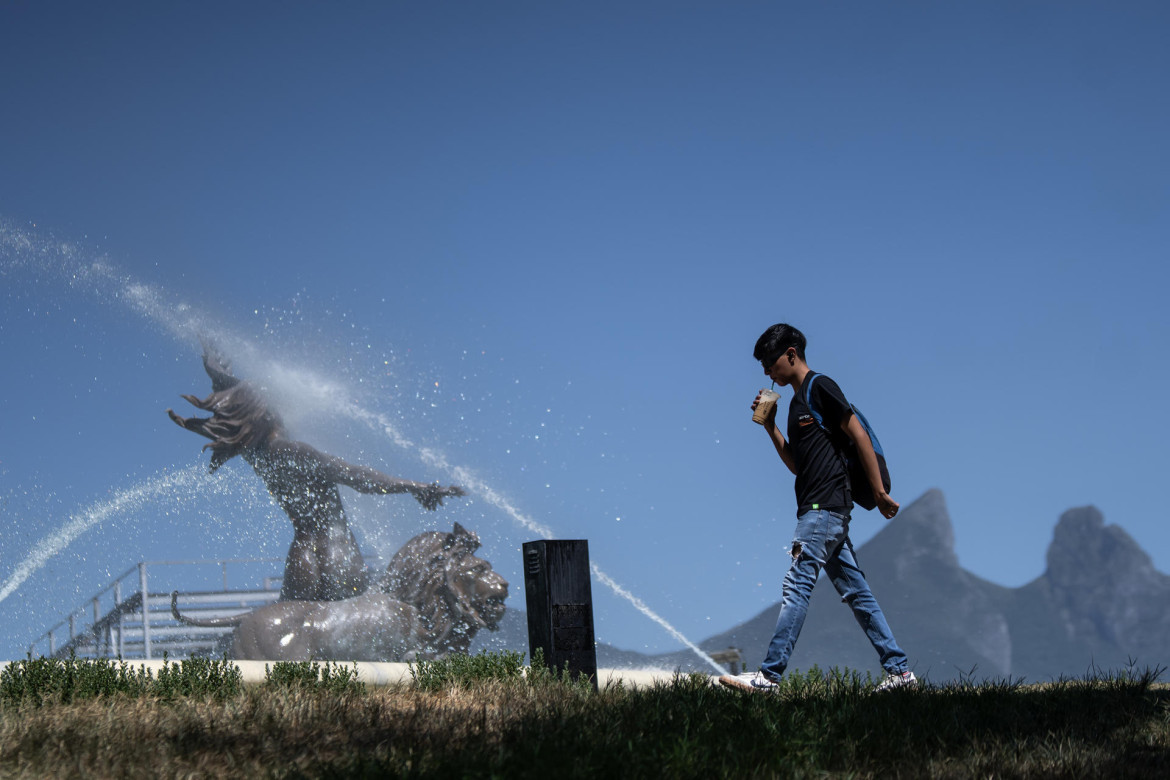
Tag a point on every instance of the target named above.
point(367, 480)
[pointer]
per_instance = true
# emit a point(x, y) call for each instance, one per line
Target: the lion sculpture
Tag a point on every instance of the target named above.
point(433, 598)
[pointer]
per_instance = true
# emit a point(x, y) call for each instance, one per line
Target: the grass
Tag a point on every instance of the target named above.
point(486, 718)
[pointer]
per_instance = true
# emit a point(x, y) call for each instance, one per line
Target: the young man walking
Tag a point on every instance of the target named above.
point(824, 500)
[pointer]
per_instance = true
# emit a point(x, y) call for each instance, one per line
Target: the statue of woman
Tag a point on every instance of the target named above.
point(323, 563)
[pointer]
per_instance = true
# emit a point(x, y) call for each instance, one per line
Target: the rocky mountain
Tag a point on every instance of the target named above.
point(1099, 605)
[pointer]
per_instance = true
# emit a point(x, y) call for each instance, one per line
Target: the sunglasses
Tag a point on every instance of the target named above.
point(770, 360)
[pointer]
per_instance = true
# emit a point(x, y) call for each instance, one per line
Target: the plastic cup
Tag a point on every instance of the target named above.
point(763, 410)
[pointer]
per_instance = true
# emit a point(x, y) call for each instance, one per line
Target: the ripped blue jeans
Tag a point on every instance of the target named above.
point(822, 541)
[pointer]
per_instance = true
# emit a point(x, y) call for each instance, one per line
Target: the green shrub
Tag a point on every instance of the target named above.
point(463, 669)
point(309, 675)
point(64, 680)
point(41, 680)
point(197, 677)
point(540, 674)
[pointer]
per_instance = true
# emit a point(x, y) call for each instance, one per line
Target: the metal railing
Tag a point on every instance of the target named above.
point(141, 625)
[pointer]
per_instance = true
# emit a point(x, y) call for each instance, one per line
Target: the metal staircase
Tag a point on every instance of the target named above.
point(113, 624)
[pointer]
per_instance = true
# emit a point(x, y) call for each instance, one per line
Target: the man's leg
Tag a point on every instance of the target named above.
point(816, 532)
point(849, 580)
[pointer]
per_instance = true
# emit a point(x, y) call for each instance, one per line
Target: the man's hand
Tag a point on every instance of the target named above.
point(431, 496)
point(887, 506)
point(770, 420)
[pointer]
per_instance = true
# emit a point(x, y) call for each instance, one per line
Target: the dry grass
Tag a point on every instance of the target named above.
point(261, 732)
point(822, 725)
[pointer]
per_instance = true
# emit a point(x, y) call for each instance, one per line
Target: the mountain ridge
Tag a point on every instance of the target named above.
point(1100, 604)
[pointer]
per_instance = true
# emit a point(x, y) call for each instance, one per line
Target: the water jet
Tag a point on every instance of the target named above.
point(24, 251)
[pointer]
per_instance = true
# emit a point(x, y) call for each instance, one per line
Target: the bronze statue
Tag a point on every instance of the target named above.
point(323, 563)
point(433, 598)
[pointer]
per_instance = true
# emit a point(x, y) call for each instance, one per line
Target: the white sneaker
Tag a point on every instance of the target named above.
point(749, 681)
point(896, 680)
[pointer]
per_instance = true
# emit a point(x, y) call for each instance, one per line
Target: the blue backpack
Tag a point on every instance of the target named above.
point(858, 481)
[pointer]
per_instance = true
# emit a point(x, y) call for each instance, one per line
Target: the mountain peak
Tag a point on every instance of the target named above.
point(1081, 519)
point(1083, 543)
point(1105, 585)
point(922, 528)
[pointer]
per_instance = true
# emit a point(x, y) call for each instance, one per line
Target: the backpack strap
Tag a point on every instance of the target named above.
point(808, 383)
point(807, 389)
point(838, 448)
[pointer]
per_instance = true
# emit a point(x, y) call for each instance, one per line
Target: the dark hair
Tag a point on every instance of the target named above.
point(241, 419)
point(777, 339)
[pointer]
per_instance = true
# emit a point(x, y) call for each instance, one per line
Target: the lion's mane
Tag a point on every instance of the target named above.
point(429, 573)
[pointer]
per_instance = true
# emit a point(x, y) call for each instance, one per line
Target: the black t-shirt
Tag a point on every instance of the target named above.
point(821, 479)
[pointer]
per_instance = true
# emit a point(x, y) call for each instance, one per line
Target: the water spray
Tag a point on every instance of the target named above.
point(185, 323)
point(159, 487)
point(478, 487)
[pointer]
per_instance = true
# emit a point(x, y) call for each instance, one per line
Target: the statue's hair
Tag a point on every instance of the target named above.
point(241, 419)
point(426, 573)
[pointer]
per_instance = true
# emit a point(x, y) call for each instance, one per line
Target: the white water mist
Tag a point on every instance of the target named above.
point(123, 501)
point(25, 249)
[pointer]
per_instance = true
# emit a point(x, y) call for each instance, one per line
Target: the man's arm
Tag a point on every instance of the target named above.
point(778, 440)
point(782, 448)
point(854, 429)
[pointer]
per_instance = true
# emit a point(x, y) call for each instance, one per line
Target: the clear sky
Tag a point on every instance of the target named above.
point(529, 247)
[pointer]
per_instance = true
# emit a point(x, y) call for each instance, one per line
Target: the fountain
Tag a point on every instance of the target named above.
point(22, 249)
point(430, 602)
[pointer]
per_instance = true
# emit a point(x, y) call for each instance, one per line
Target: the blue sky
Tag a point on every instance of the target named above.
point(538, 241)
